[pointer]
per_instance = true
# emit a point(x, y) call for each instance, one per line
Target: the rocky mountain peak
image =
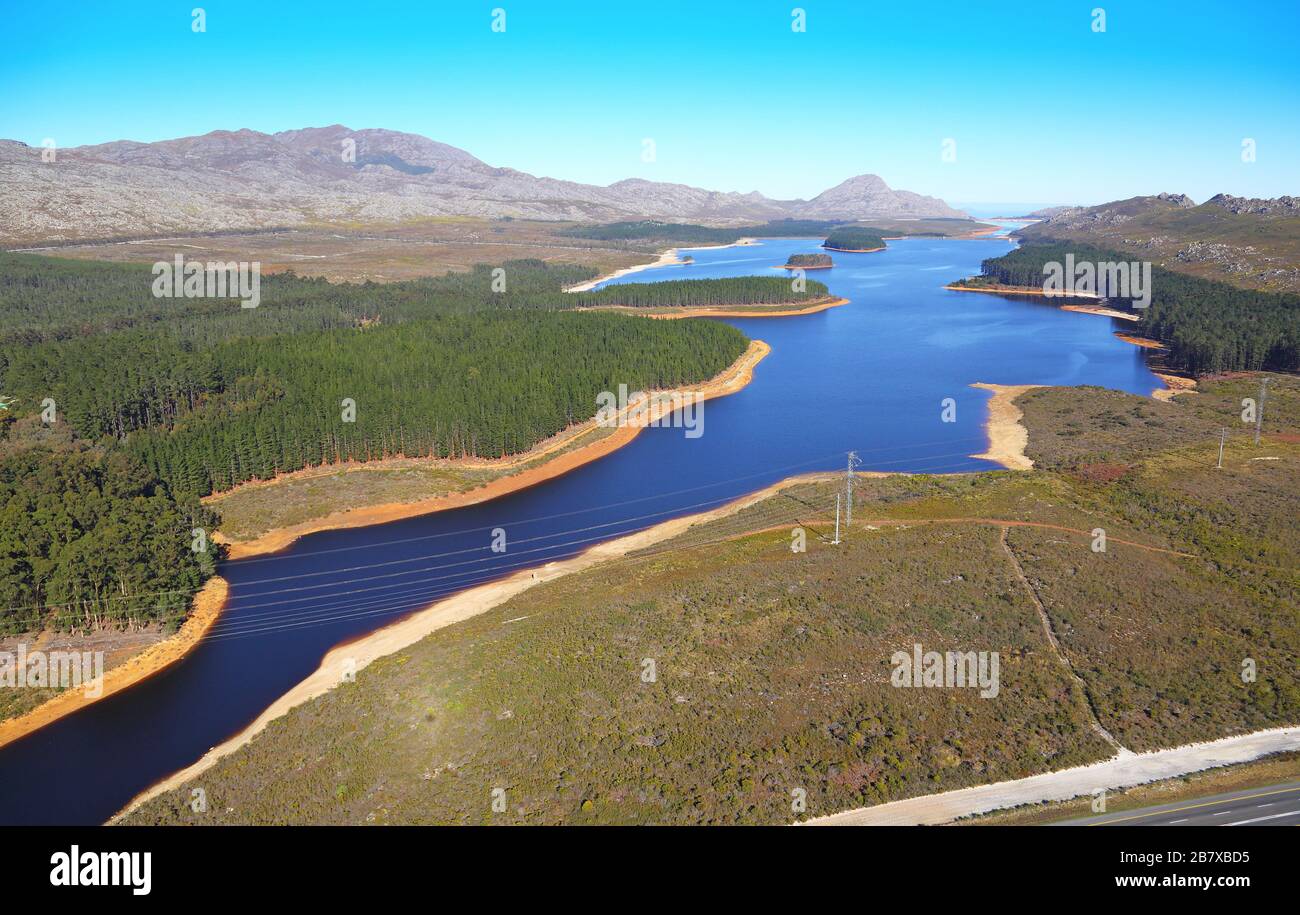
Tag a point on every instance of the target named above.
point(245, 179)
point(1259, 206)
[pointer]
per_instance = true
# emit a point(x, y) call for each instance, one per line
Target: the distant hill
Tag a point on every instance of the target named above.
point(245, 180)
point(1250, 243)
point(1046, 212)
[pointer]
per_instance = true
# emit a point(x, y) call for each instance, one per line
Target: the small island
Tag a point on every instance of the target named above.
point(808, 262)
point(854, 240)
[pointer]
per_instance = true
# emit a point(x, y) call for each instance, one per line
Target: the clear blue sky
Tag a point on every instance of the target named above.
point(1042, 109)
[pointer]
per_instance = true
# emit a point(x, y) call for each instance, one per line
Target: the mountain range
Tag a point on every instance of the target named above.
point(1250, 242)
point(245, 179)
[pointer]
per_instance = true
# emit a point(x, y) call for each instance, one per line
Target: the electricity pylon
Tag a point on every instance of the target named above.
point(848, 485)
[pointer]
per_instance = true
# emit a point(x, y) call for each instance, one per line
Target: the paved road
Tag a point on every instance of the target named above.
point(1273, 805)
point(1120, 771)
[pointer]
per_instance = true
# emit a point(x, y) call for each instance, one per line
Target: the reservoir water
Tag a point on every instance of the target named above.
point(870, 376)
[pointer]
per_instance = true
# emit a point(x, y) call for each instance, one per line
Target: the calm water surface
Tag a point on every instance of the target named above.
point(869, 376)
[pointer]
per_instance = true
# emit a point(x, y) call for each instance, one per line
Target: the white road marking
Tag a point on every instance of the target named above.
point(1270, 817)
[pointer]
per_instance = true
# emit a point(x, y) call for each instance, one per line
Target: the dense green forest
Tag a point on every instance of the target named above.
point(484, 385)
point(89, 540)
point(170, 399)
point(691, 233)
point(851, 238)
point(809, 260)
point(738, 290)
point(45, 298)
point(1208, 326)
point(226, 394)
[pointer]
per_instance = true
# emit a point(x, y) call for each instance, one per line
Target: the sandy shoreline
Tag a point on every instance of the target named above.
point(207, 606)
point(666, 259)
point(724, 312)
point(1143, 342)
point(1099, 310)
point(1174, 385)
point(210, 600)
point(990, 232)
point(735, 377)
point(1034, 291)
point(1007, 437)
point(358, 654)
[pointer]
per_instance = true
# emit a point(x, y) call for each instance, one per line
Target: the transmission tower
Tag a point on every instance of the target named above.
point(848, 486)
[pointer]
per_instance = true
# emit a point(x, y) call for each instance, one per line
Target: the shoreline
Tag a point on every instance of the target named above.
point(665, 259)
point(722, 311)
point(207, 606)
point(1007, 438)
point(991, 231)
point(1174, 385)
point(1101, 310)
point(732, 379)
point(1029, 290)
point(1144, 342)
point(359, 653)
point(855, 250)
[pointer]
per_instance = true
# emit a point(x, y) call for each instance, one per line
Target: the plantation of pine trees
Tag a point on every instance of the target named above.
point(809, 260)
point(739, 290)
point(223, 396)
point(482, 385)
point(852, 238)
point(89, 540)
point(172, 399)
point(1208, 326)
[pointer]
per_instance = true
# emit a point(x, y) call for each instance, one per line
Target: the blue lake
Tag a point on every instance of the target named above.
point(870, 376)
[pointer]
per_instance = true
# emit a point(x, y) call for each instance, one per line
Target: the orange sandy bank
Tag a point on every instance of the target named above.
point(733, 379)
point(206, 608)
point(354, 656)
point(1007, 437)
point(1099, 310)
point(722, 311)
point(980, 233)
point(1174, 385)
point(1034, 291)
point(1143, 342)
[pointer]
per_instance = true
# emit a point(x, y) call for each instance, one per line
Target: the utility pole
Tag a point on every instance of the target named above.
point(836, 541)
point(1223, 434)
point(848, 487)
point(1259, 412)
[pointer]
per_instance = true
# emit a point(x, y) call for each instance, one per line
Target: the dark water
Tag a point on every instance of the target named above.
point(869, 376)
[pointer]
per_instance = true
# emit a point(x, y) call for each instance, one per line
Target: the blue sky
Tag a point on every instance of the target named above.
point(1042, 108)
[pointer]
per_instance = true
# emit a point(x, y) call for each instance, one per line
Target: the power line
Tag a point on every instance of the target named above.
point(146, 594)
